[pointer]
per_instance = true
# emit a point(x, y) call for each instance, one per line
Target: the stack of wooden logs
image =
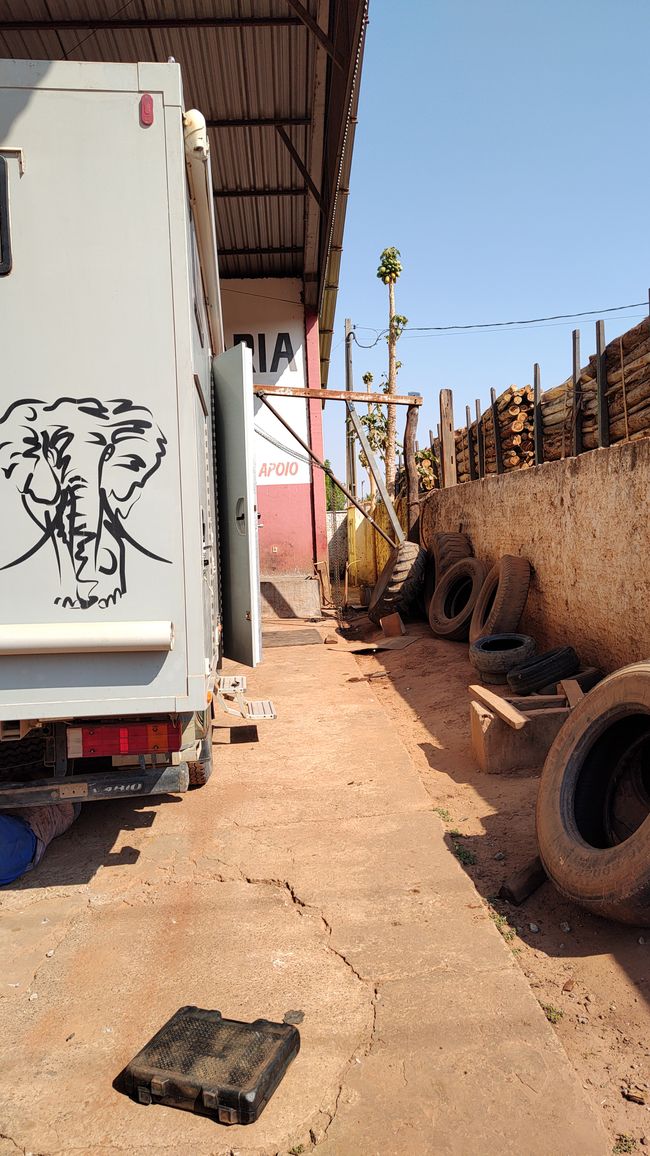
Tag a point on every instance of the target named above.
point(627, 362)
point(514, 410)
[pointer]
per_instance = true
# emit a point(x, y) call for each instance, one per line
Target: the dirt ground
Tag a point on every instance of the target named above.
point(592, 976)
point(311, 878)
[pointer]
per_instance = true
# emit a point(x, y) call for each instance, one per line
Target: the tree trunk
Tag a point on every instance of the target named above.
point(391, 432)
point(412, 486)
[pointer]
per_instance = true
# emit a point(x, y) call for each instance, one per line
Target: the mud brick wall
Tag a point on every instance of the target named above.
point(583, 524)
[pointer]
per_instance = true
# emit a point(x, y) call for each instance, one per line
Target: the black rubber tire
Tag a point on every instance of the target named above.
point(445, 551)
point(496, 654)
point(454, 599)
point(501, 602)
point(607, 732)
point(399, 586)
point(546, 668)
point(201, 770)
point(19, 757)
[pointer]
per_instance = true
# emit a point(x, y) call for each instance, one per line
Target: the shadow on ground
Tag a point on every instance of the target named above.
point(76, 856)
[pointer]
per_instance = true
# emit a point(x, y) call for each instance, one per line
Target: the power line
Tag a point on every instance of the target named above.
point(492, 325)
point(526, 321)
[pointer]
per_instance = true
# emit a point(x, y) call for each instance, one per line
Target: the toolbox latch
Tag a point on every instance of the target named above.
point(227, 1115)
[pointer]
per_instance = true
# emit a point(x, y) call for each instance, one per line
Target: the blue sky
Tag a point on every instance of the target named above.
point(503, 148)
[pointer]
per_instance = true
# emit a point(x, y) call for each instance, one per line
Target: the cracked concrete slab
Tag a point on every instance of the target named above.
point(310, 874)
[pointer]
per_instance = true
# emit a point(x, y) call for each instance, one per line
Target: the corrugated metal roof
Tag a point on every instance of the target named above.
point(278, 72)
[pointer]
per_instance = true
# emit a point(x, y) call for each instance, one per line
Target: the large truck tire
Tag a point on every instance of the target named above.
point(501, 602)
point(200, 771)
point(445, 551)
point(496, 654)
point(593, 807)
point(454, 599)
point(399, 586)
point(550, 667)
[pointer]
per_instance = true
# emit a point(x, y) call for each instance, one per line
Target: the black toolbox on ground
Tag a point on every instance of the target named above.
point(203, 1063)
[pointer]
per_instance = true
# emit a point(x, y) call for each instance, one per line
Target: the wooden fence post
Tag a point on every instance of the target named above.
point(448, 442)
point(498, 448)
point(470, 448)
point(602, 411)
point(480, 443)
point(538, 433)
point(577, 395)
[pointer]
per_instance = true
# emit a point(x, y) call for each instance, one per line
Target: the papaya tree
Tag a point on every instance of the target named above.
point(388, 272)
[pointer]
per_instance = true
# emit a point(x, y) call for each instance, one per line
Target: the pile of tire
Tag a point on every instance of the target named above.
point(399, 586)
point(593, 806)
point(537, 673)
point(495, 655)
point(444, 552)
point(470, 603)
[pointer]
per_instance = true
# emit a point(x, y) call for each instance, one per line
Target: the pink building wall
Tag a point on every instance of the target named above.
point(270, 317)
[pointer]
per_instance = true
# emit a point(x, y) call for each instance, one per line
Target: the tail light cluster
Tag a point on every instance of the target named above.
point(90, 741)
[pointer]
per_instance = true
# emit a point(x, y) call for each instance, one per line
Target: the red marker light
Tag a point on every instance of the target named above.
point(146, 109)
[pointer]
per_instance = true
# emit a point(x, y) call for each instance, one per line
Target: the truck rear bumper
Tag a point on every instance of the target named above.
point(93, 788)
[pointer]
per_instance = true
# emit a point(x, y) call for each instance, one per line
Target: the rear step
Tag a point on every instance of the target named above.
point(232, 687)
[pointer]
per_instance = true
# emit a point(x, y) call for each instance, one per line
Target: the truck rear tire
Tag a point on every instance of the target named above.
point(201, 770)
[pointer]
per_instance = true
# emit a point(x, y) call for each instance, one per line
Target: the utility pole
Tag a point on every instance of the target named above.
point(350, 457)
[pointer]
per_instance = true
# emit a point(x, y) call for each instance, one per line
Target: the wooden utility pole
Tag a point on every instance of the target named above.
point(350, 458)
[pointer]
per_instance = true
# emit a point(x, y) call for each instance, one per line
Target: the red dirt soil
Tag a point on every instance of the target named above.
point(594, 979)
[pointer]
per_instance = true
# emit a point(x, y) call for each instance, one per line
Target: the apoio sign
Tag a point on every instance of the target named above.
point(278, 359)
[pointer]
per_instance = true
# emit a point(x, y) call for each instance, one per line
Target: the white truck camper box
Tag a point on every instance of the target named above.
point(126, 432)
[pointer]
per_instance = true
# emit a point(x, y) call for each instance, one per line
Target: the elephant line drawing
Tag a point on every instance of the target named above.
point(80, 466)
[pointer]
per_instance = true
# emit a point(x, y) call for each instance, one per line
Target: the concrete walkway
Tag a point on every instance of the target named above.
point(310, 875)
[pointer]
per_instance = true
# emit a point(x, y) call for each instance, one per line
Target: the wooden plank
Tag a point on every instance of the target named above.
point(572, 690)
point(498, 448)
point(535, 702)
point(602, 412)
point(337, 395)
point(522, 884)
point(473, 473)
point(500, 707)
point(447, 439)
point(577, 394)
point(480, 441)
point(538, 439)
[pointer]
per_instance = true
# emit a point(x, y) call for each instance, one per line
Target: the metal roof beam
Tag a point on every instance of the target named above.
point(257, 121)
point(97, 24)
point(300, 165)
point(236, 193)
point(314, 27)
point(278, 250)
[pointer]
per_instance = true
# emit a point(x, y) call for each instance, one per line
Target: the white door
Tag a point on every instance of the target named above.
point(232, 374)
